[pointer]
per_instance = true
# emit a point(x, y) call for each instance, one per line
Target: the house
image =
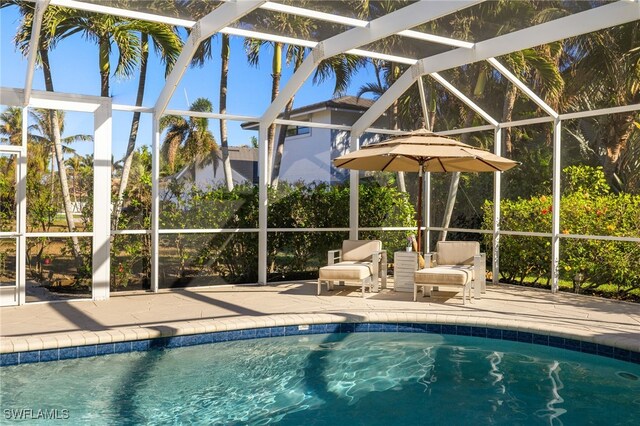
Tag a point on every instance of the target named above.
point(308, 151)
point(244, 168)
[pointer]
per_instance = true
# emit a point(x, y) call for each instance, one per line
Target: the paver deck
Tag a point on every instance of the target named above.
point(137, 316)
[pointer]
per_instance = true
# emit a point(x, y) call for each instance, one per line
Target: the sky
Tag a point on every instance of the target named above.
point(74, 63)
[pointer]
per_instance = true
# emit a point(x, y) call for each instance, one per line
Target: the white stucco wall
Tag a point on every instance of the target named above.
point(307, 158)
point(207, 176)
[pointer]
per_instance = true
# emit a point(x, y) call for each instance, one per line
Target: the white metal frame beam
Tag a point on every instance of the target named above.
point(599, 18)
point(392, 23)
point(555, 211)
point(468, 102)
point(523, 87)
point(222, 16)
point(125, 13)
point(34, 42)
point(277, 7)
point(497, 185)
point(338, 19)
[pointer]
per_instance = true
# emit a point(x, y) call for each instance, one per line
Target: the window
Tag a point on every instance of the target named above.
point(297, 131)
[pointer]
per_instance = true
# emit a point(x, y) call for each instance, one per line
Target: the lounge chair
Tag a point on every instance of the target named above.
point(457, 264)
point(359, 261)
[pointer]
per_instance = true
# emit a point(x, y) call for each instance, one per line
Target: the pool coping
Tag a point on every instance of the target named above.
point(189, 333)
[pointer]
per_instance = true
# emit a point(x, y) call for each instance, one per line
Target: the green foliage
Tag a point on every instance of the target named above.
point(587, 180)
point(234, 257)
point(131, 254)
point(588, 208)
point(601, 261)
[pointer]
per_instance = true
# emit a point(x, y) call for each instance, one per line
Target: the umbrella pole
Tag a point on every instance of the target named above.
point(419, 209)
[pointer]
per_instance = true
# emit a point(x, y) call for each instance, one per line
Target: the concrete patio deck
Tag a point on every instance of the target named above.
point(137, 316)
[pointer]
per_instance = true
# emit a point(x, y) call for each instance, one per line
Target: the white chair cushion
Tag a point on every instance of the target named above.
point(359, 250)
point(346, 271)
point(457, 252)
point(449, 275)
point(464, 267)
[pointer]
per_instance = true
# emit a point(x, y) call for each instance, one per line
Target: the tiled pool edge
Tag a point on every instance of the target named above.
point(175, 341)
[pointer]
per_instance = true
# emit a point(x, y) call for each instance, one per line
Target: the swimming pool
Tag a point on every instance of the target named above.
point(352, 378)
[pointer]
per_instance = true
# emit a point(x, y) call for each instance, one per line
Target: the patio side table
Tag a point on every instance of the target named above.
point(405, 263)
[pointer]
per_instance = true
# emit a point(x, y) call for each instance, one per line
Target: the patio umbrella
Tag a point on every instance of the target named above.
point(423, 151)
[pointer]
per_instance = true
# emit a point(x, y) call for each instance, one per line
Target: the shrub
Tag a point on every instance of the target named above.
point(234, 257)
point(588, 207)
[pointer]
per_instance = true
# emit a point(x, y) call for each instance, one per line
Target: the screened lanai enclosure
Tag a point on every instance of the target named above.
point(114, 112)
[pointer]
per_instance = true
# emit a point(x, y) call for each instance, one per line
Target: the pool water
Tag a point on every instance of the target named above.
point(334, 379)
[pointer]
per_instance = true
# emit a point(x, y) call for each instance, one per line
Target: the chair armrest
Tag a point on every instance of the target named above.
point(379, 261)
point(480, 261)
point(480, 272)
point(334, 256)
point(380, 255)
point(429, 259)
point(380, 258)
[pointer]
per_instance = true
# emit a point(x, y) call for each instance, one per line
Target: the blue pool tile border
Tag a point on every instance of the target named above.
point(73, 352)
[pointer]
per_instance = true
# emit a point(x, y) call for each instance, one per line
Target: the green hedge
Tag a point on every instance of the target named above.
point(290, 254)
point(588, 207)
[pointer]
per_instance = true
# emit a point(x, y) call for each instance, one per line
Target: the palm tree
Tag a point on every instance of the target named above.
point(74, 164)
point(107, 31)
point(11, 132)
point(49, 125)
point(284, 24)
point(386, 74)
point(341, 67)
point(11, 125)
point(204, 52)
point(604, 72)
point(536, 66)
point(168, 43)
point(189, 141)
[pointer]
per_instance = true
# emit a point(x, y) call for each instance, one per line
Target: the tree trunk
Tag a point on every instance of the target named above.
point(277, 161)
point(507, 115)
point(275, 89)
point(224, 142)
point(455, 181)
point(620, 129)
point(104, 66)
point(451, 201)
point(402, 186)
point(62, 171)
point(133, 133)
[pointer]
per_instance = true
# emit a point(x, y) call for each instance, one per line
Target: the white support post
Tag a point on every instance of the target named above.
point(354, 192)
point(555, 210)
point(21, 189)
point(155, 203)
point(263, 205)
point(222, 16)
point(102, 201)
point(34, 42)
point(497, 149)
point(427, 212)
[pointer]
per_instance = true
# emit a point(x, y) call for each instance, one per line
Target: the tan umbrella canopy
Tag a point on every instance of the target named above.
point(423, 151)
